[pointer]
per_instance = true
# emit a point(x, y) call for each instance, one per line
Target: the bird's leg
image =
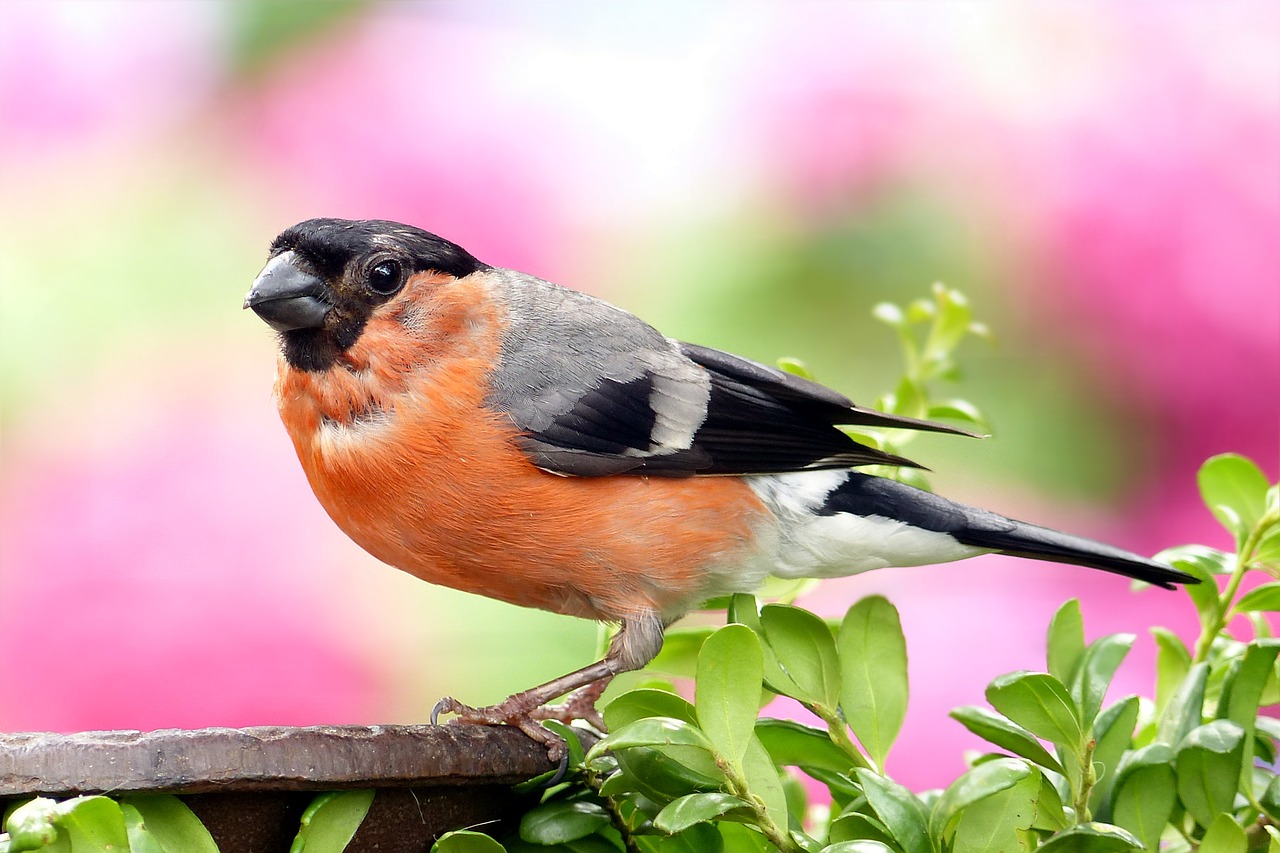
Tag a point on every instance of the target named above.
point(633, 647)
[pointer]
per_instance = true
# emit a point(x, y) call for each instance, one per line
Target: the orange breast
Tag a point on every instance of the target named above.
point(401, 452)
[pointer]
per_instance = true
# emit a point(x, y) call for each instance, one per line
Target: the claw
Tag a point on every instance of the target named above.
point(512, 711)
point(524, 710)
point(580, 705)
point(560, 771)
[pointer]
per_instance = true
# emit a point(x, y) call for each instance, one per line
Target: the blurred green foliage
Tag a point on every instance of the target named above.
point(262, 29)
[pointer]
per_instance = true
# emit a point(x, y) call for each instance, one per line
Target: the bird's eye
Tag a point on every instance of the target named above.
point(385, 278)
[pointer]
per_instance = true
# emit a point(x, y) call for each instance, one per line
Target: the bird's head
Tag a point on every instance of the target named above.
point(325, 278)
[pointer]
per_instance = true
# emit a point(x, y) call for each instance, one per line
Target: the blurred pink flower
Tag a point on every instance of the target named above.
point(404, 118)
point(1145, 189)
point(79, 74)
point(135, 594)
point(1161, 241)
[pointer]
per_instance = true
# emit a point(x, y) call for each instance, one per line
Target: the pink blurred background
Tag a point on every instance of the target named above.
point(1103, 180)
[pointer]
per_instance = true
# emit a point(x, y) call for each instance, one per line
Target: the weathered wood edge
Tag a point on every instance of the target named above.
point(266, 758)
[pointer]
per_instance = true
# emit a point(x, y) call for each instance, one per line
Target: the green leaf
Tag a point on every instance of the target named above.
point(680, 814)
point(1113, 734)
point(862, 846)
point(664, 758)
point(1205, 564)
point(1268, 550)
point(1050, 815)
point(1185, 709)
point(1005, 734)
point(1173, 661)
point(1145, 793)
point(805, 650)
point(856, 826)
point(1242, 693)
point(730, 673)
point(572, 740)
point(1092, 838)
point(921, 311)
point(663, 775)
point(958, 410)
point(1270, 799)
point(1235, 490)
point(912, 477)
point(1200, 560)
point(466, 841)
point(951, 323)
point(1224, 836)
point(174, 826)
point(140, 838)
point(1040, 704)
point(1208, 769)
point(998, 822)
point(1263, 598)
point(842, 788)
point(1269, 727)
point(901, 812)
point(700, 838)
point(796, 367)
point(647, 702)
point(889, 314)
point(562, 821)
point(796, 745)
point(331, 821)
point(909, 399)
point(763, 781)
point(743, 611)
point(979, 782)
point(31, 825)
point(1065, 641)
point(797, 801)
point(653, 731)
point(873, 662)
point(679, 653)
point(1093, 675)
point(741, 839)
point(93, 824)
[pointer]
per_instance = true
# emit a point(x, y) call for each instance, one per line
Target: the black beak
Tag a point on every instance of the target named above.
point(286, 297)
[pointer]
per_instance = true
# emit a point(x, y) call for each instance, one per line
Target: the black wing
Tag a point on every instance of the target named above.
point(752, 419)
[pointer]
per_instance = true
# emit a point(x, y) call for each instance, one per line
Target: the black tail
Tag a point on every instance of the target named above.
point(866, 495)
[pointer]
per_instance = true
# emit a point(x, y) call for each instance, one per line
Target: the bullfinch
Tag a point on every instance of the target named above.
point(487, 430)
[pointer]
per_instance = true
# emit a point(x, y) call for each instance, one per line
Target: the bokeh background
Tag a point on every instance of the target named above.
point(1103, 180)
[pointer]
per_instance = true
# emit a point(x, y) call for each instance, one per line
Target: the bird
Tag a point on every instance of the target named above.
point(487, 430)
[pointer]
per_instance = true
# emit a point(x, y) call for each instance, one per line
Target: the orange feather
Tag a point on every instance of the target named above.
point(400, 450)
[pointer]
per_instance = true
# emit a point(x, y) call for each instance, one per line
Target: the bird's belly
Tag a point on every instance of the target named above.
point(814, 543)
point(464, 507)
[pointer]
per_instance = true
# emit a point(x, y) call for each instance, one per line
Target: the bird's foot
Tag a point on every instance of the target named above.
point(512, 711)
point(525, 710)
point(578, 705)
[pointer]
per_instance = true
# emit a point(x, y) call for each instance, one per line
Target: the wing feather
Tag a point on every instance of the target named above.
point(595, 391)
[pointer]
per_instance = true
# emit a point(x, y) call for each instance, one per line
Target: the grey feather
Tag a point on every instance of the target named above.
point(595, 391)
point(561, 345)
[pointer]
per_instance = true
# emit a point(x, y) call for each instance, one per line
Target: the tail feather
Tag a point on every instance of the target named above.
point(866, 495)
point(1020, 539)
